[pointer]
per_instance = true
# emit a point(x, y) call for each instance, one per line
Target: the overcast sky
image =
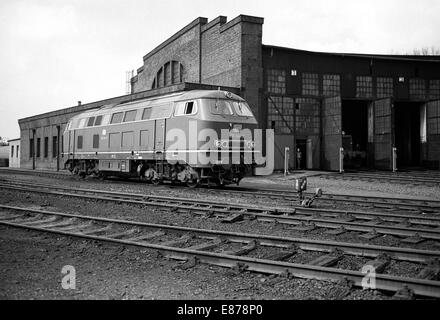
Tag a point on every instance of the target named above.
point(56, 52)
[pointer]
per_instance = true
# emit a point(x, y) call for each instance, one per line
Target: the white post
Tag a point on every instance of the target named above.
point(341, 160)
point(394, 159)
point(286, 160)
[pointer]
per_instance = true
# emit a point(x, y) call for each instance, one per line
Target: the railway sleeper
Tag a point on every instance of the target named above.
point(62, 223)
point(12, 218)
point(415, 239)
point(284, 255)
point(252, 245)
point(370, 235)
point(375, 221)
point(207, 245)
point(405, 293)
point(304, 227)
point(180, 241)
point(75, 228)
point(329, 259)
point(148, 236)
point(39, 221)
point(336, 231)
point(431, 271)
point(97, 231)
point(121, 234)
point(23, 218)
point(188, 263)
point(233, 218)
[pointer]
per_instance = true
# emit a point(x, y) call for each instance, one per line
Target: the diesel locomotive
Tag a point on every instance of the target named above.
point(194, 137)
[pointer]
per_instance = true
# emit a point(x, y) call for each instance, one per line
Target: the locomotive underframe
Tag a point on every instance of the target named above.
point(157, 171)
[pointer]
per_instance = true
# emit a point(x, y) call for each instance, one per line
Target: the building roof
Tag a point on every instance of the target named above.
point(415, 58)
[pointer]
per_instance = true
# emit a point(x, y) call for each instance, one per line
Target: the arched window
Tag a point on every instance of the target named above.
point(170, 73)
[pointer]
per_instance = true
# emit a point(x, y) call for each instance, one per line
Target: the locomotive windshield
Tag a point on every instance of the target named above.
point(226, 107)
point(221, 107)
point(242, 108)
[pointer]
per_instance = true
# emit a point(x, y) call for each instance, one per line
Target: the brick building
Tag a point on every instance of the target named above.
point(316, 102)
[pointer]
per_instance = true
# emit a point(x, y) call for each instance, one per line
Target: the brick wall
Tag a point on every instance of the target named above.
point(184, 46)
point(218, 53)
point(221, 53)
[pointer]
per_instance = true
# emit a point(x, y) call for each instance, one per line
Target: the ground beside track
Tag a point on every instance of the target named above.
point(31, 262)
point(381, 188)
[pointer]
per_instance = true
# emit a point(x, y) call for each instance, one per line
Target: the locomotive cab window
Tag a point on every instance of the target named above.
point(90, 121)
point(190, 108)
point(116, 117)
point(221, 107)
point(130, 115)
point(242, 109)
point(98, 120)
point(185, 108)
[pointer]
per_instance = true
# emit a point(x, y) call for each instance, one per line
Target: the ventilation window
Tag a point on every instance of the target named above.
point(98, 120)
point(116, 117)
point(90, 121)
point(130, 115)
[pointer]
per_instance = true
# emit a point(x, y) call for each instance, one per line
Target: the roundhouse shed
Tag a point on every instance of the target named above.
point(316, 102)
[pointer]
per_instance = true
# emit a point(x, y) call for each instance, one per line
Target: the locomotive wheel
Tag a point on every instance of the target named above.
point(192, 183)
point(101, 176)
point(156, 181)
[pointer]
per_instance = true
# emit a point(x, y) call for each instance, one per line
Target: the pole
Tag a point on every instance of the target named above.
point(394, 159)
point(286, 160)
point(341, 160)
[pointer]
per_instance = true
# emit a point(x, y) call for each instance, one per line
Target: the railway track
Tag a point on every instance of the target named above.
point(366, 201)
point(391, 203)
point(410, 228)
point(377, 177)
point(259, 253)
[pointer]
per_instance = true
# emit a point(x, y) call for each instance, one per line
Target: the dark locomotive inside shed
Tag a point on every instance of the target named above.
point(407, 133)
point(355, 133)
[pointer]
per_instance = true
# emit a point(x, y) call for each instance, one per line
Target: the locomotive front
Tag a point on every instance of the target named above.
point(220, 131)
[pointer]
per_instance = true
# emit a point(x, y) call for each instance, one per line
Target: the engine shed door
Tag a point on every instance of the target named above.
point(331, 132)
point(383, 133)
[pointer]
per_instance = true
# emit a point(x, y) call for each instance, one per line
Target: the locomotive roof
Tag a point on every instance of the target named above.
point(173, 97)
